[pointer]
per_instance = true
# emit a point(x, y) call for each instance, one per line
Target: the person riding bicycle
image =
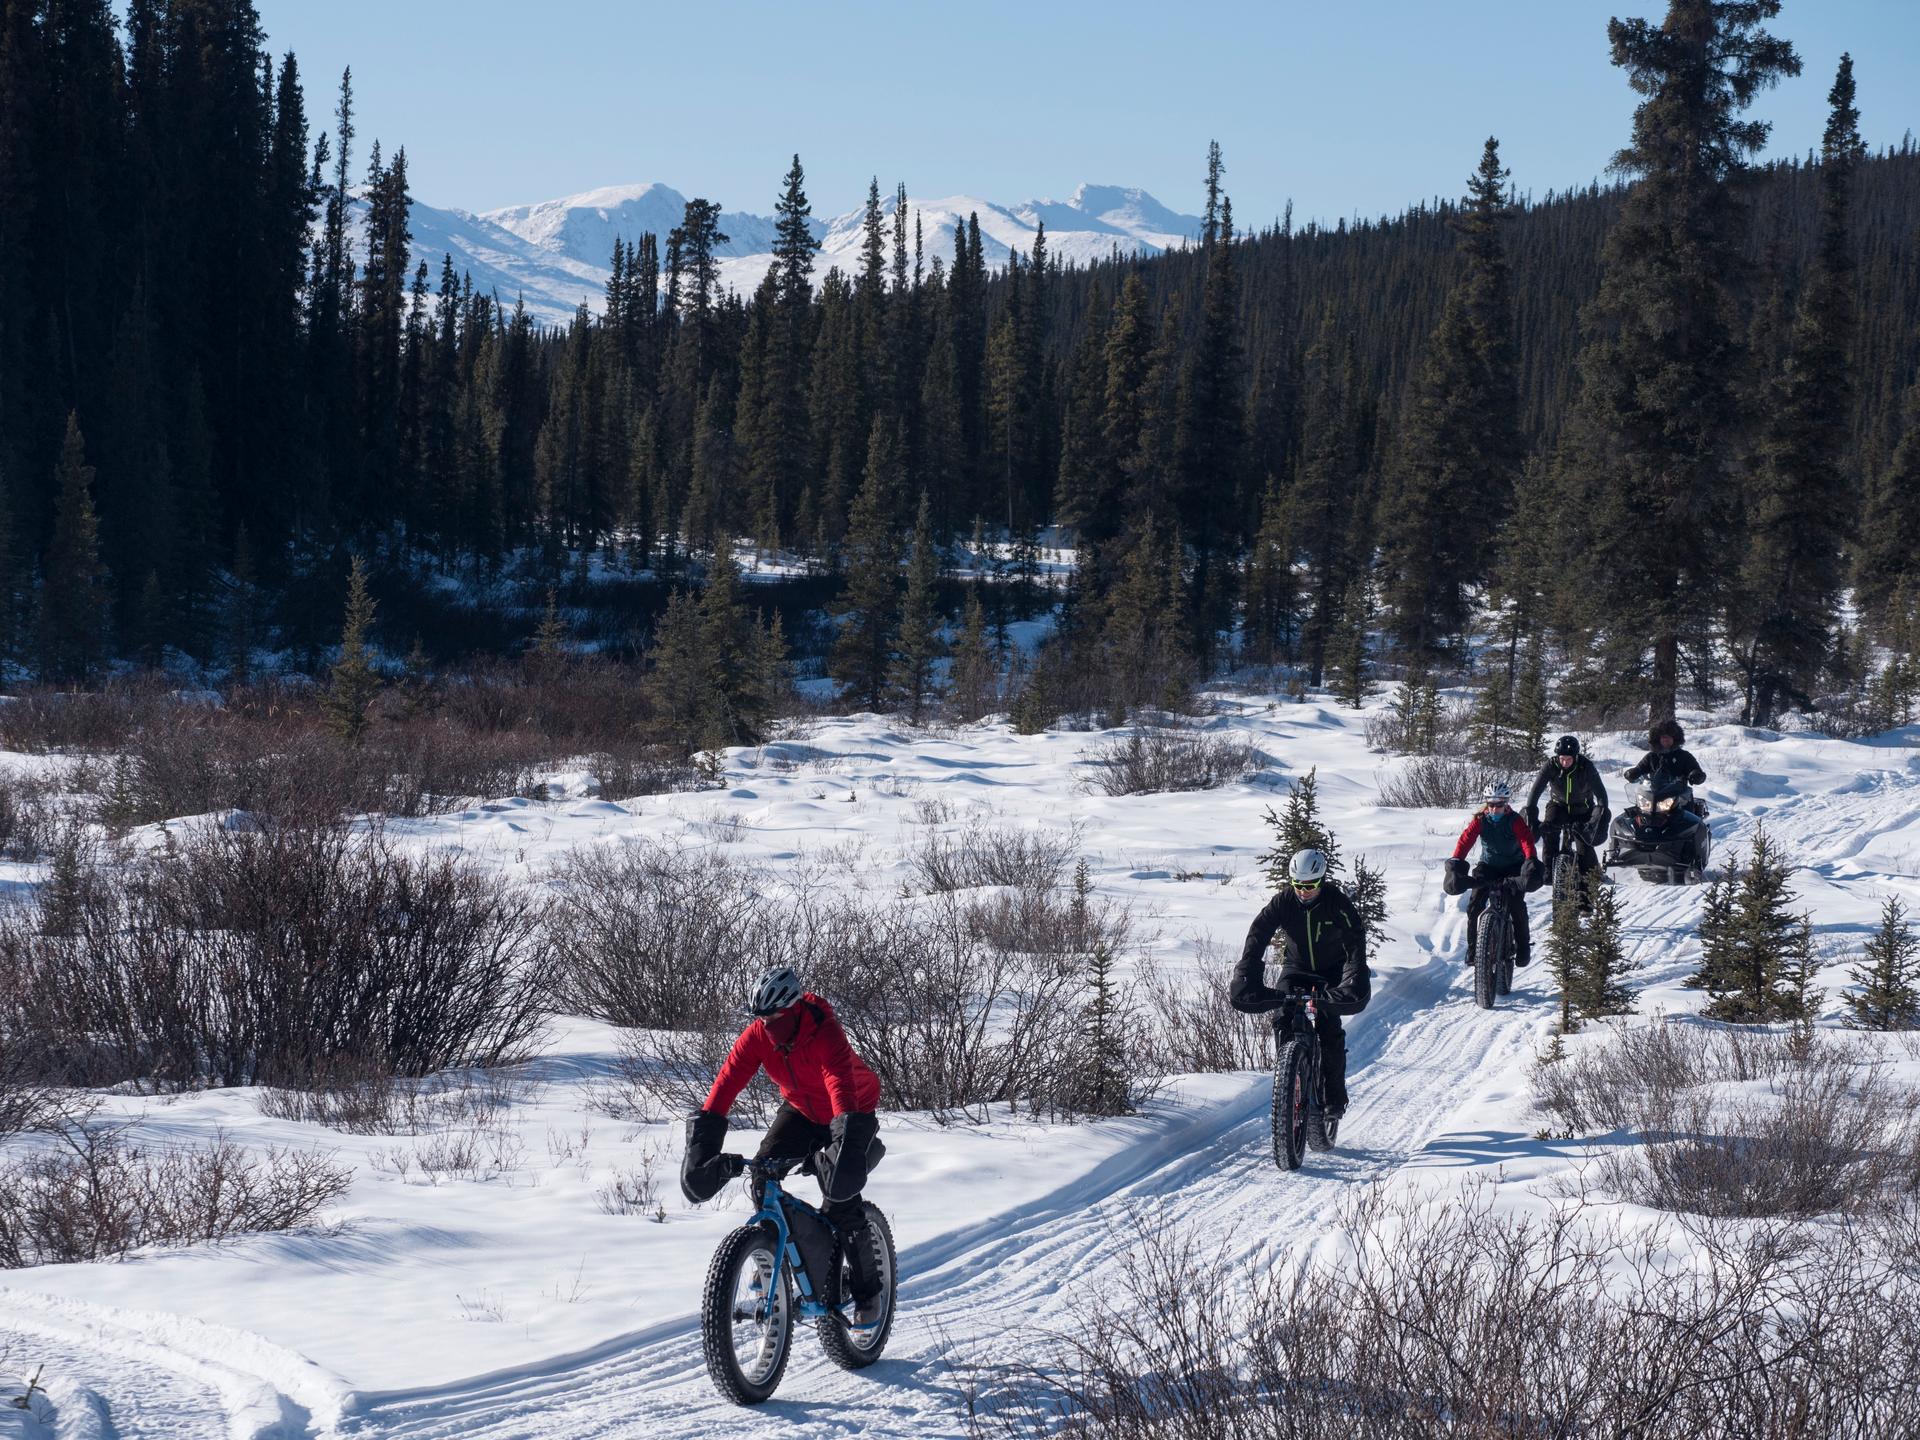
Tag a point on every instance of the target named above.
point(1506, 850)
point(828, 1096)
point(1326, 946)
point(1576, 798)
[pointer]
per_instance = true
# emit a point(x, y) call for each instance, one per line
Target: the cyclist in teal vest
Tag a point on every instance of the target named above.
point(1506, 849)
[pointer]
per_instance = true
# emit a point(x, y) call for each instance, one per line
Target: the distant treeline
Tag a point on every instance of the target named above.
point(1656, 426)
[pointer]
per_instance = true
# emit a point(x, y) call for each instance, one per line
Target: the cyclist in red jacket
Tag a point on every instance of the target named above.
point(1506, 849)
point(828, 1096)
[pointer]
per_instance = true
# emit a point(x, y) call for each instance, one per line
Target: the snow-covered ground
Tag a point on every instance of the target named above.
point(513, 1306)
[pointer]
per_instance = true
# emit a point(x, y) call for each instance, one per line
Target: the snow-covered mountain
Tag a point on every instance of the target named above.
point(554, 254)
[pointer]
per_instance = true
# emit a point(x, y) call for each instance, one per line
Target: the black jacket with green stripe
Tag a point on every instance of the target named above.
point(1578, 787)
point(1327, 939)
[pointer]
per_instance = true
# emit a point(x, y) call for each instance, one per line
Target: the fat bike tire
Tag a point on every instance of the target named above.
point(835, 1336)
point(1490, 941)
point(721, 1327)
point(1566, 881)
point(1292, 1090)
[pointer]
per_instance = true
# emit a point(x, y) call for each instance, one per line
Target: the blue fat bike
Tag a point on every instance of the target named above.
point(787, 1264)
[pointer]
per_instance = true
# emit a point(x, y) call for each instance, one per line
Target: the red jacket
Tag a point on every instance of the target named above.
point(806, 1054)
point(1471, 834)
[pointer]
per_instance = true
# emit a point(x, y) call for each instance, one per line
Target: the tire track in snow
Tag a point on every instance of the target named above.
point(1422, 1043)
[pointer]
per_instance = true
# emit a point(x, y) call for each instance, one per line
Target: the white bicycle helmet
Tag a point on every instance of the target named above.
point(1499, 791)
point(1308, 867)
point(774, 991)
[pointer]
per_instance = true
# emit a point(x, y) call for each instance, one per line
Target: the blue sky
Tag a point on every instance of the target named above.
point(1346, 108)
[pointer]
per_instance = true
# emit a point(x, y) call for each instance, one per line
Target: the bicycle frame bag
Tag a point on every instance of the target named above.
point(814, 1238)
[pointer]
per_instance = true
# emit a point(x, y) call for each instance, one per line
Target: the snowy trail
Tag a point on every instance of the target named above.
point(1438, 1096)
point(1418, 1048)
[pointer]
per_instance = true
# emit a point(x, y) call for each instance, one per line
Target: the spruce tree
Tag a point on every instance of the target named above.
point(1884, 555)
point(1349, 647)
point(918, 645)
point(1888, 975)
point(353, 681)
point(1458, 446)
point(1659, 416)
point(1599, 983)
point(974, 688)
point(1800, 511)
point(744, 659)
point(1752, 961)
point(862, 652)
point(1565, 946)
point(73, 594)
point(1270, 595)
point(1299, 827)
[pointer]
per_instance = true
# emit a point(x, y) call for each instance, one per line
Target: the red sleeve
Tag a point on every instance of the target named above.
point(836, 1065)
point(741, 1065)
point(1467, 838)
point(1524, 836)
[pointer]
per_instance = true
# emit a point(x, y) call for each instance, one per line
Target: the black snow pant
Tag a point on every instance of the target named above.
point(1552, 818)
point(1333, 1056)
point(792, 1136)
point(1517, 907)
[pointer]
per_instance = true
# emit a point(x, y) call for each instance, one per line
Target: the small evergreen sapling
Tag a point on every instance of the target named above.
point(354, 681)
point(1298, 827)
point(1888, 974)
point(1756, 955)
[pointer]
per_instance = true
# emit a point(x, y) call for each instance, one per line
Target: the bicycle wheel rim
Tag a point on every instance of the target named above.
point(758, 1331)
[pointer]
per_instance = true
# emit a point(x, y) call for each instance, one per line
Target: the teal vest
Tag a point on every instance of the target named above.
point(1499, 846)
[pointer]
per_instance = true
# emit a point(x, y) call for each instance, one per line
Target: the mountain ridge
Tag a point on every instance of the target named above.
point(553, 254)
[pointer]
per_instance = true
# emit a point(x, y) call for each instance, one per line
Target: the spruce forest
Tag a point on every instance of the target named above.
point(1660, 433)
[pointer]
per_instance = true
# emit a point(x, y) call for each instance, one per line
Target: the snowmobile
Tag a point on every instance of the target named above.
point(1663, 835)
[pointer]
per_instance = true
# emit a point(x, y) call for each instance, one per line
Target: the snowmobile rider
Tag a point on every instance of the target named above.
point(1576, 796)
point(1506, 850)
point(1326, 946)
point(827, 1100)
point(1667, 753)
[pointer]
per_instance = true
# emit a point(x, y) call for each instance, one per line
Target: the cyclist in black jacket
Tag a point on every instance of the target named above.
point(1324, 937)
point(1576, 796)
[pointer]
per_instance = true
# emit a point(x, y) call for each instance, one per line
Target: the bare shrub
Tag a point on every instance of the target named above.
point(364, 1097)
point(640, 770)
point(649, 936)
point(1445, 782)
point(91, 1194)
point(983, 854)
point(41, 719)
point(273, 957)
point(632, 1190)
point(1731, 1122)
point(1153, 761)
point(1199, 1031)
point(958, 1003)
point(1446, 1318)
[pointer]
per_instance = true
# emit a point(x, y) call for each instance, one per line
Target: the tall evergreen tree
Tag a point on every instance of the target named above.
point(73, 592)
point(862, 653)
point(1458, 451)
point(1801, 510)
point(918, 644)
point(1658, 418)
point(354, 680)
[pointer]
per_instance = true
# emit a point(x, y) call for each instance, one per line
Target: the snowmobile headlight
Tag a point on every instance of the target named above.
point(1665, 807)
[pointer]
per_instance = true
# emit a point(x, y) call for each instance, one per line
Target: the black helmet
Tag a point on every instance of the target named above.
point(1567, 745)
point(774, 991)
